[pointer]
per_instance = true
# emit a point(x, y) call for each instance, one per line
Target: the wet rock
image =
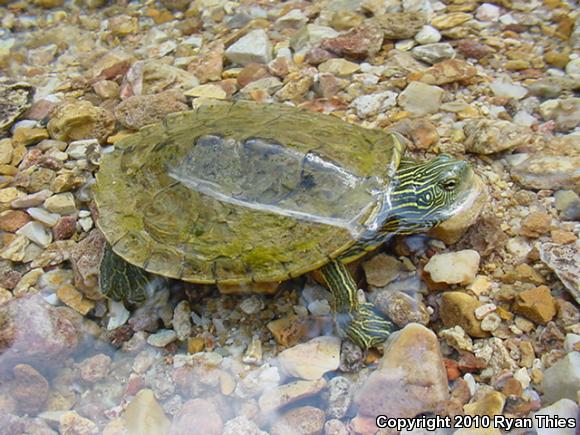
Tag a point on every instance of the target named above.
point(335, 427)
point(562, 380)
point(242, 426)
point(162, 338)
point(305, 420)
point(536, 224)
point(140, 110)
point(547, 172)
point(491, 404)
point(400, 25)
point(35, 332)
point(145, 416)
point(95, 368)
point(288, 330)
point(255, 47)
point(278, 397)
point(71, 423)
point(421, 99)
point(358, 43)
point(15, 99)
point(62, 203)
point(209, 64)
point(565, 262)
point(80, 120)
point(458, 308)
point(351, 357)
point(382, 269)
point(85, 261)
point(564, 408)
point(447, 71)
point(401, 308)
point(371, 105)
point(536, 304)
point(488, 136)
point(29, 388)
point(339, 397)
point(454, 267)
point(199, 414)
point(311, 360)
point(182, 320)
point(433, 53)
point(413, 372)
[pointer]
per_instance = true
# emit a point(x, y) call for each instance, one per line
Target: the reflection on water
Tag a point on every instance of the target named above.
point(187, 361)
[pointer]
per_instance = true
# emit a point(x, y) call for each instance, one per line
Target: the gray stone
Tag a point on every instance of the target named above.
point(433, 53)
point(562, 380)
point(564, 408)
point(421, 99)
point(255, 47)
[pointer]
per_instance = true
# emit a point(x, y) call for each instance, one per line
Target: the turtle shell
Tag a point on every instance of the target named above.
point(241, 192)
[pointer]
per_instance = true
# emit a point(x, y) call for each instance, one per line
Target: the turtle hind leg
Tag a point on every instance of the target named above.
point(360, 322)
point(120, 280)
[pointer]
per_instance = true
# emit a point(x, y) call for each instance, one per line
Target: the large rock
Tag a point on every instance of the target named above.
point(35, 333)
point(562, 380)
point(411, 378)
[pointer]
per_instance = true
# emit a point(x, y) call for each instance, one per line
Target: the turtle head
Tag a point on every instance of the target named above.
point(425, 194)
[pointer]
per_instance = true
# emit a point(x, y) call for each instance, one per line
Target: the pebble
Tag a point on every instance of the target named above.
point(421, 99)
point(71, 422)
point(95, 368)
point(491, 404)
point(503, 87)
point(37, 233)
point(29, 388)
point(536, 224)
point(311, 360)
point(412, 367)
point(255, 47)
point(454, 267)
point(12, 220)
point(141, 110)
point(490, 322)
point(280, 396)
point(295, 18)
point(339, 397)
point(70, 296)
point(547, 172)
point(145, 416)
point(457, 338)
point(208, 65)
point(372, 104)
point(339, 67)
point(311, 35)
point(562, 380)
point(458, 308)
point(382, 269)
point(207, 91)
point(565, 112)
point(565, 262)
point(62, 204)
point(6, 148)
point(573, 67)
point(448, 21)
point(433, 53)
point(447, 71)
point(428, 35)
point(536, 304)
point(162, 338)
point(304, 420)
point(358, 43)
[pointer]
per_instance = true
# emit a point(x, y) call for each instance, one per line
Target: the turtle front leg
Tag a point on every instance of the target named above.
point(361, 323)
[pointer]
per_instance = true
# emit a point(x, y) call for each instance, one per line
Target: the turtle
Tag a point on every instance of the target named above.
point(245, 192)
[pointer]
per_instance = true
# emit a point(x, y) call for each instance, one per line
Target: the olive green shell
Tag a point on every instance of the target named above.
point(157, 223)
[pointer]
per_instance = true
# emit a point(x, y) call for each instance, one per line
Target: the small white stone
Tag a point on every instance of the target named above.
point(43, 216)
point(251, 305)
point(37, 233)
point(484, 310)
point(79, 148)
point(421, 99)
point(162, 337)
point(118, 315)
point(428, 35)
point(454, 267)
point(471, 384)
point(253, 47)
point(503, 87)
point(487, 12)
point(86, 223)
point(518, 246)
point(319, 308)
point(523, 376)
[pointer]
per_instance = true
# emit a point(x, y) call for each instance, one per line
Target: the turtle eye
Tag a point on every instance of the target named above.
point(450, 184)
